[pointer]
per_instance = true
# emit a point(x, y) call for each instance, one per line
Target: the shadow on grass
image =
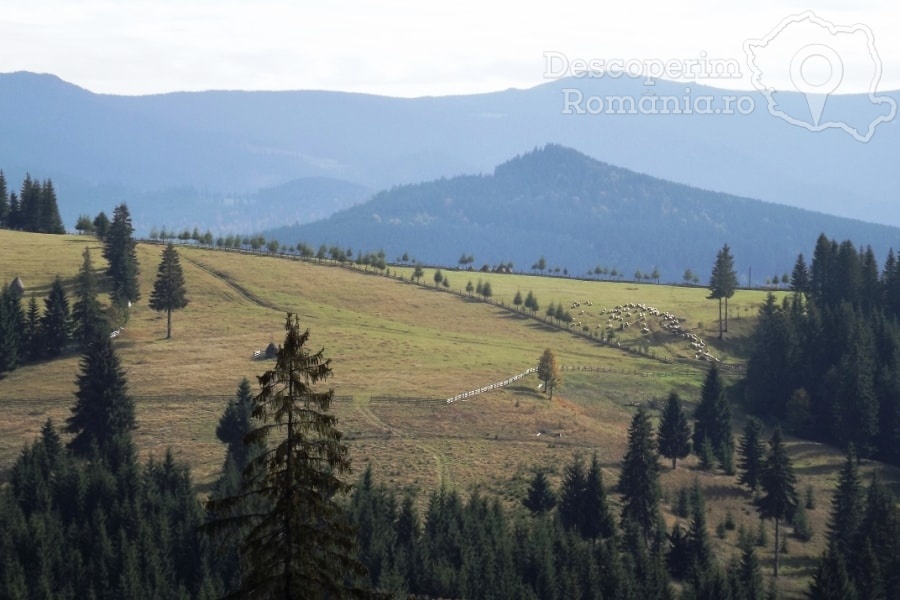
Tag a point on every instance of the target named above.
point(522, 389)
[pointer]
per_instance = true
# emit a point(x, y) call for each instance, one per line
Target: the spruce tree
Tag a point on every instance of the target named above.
point(751, 454)
point(846, 506)
point(749, 574)
point(778, 486)
point(800, 276)
point(168, 290)
point(87, 317)
point(103, 415)
point(55, 323)
point(831, 580)
point(51, 222)
point(236, 422)
point(723, 283)
point(540, 498)
point(639, 479)
point(572, 494)
point(713, 420)
point(30, 214)
point(11, 329)
point(101, 226)
point(597, 520)
point(302, 545)
point(4, 203)
point(698, 540)
point(121, 257)
point(32, 337)
point(15, 212)
point(674, 434)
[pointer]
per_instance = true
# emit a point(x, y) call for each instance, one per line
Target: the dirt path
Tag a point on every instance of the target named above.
point(230, 282)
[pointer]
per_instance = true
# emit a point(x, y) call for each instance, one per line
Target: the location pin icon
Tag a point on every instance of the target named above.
point(816, 93)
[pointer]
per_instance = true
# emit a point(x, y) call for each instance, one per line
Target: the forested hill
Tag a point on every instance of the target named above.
point(580, 213)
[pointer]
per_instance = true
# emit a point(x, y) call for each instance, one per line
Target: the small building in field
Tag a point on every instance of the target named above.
point(17, 287)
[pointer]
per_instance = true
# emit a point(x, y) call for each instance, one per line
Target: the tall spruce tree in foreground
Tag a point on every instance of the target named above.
point(168, 290)
point(121, 257)
point(302, 545)
point(103, 415)
point(639, 480)
point(674, 434)
point(778, 486)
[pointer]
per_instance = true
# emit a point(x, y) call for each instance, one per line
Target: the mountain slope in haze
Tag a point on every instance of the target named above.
point(103, 149)
point(580, 213)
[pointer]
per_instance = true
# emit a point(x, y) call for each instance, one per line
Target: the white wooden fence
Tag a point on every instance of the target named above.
point(488, 388)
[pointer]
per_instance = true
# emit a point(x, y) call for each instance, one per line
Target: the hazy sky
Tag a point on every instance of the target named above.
point(390, 47)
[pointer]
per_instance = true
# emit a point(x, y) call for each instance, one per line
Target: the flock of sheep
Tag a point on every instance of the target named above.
point(636, 314)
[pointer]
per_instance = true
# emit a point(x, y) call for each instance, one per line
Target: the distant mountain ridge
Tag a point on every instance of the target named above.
point(200, 149)
point(580, 213)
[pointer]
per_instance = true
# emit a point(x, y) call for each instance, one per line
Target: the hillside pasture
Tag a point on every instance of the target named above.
point(398, 351)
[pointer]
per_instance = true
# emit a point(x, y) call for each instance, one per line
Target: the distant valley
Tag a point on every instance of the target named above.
point(223, 158)
point(580, 214)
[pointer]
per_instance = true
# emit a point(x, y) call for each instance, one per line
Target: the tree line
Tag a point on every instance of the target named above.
point(826, 360)
point(28, 334)
point(33, 209)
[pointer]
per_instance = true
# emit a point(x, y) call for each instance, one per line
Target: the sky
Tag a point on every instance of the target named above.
point(421, 48)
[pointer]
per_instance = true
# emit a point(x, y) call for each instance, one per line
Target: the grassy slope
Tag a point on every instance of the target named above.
point(389, 337)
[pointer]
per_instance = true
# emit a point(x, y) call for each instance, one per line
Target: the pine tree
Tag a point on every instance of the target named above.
point(15, 212)
point(168, 290)
point(302, 545)
point(32, 337)
point(778, 486)
point(541, 498)
point(30, 215)
point(846, 506)
point(770, 370)
point(751, 454)
point(236, 422)
point(597, 520)
point(831, 581)
point(713, 419)
point(800, 276)
point(4, 203)
point(548, 371)
point(698, 540)
point(571, 496)
point(121, 257)
point(674, 434)
point(858, 412)
point(103, 415)
point(101, 226)
point(639, 480)
point(51, 222)
point(749, 574)
point(11, 339)
point(723, 283)
point(55, 324)
point(87, 317)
